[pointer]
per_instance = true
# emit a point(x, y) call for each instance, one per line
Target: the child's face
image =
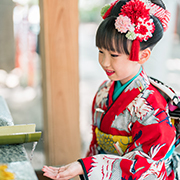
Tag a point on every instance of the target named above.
point(117, 66)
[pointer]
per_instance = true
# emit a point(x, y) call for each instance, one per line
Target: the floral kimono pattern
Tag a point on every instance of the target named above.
point(133, 137)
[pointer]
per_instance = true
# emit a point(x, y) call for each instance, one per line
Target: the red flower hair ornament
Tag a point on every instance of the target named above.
point(134, 20)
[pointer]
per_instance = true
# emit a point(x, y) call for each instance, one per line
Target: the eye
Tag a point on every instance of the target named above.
point(114, 55)
point(100, 51)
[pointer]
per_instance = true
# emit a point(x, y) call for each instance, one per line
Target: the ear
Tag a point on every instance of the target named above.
point(144, 55)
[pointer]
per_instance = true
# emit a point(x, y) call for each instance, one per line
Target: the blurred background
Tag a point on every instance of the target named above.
point(21, 71)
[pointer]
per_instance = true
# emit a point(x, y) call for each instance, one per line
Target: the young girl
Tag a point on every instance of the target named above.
point(133, 137)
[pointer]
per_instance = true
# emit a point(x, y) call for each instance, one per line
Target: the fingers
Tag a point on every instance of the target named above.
point(63, 174)
point(55, 173)
point(50, 175)
point(50, 168)
point(54, 168)
point(50, 171)
point(61, 169)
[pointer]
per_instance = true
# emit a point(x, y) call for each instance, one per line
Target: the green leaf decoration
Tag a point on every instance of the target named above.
point(131, 35)
point(104, 9)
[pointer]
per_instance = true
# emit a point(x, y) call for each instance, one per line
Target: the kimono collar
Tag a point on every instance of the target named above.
point(119, 87)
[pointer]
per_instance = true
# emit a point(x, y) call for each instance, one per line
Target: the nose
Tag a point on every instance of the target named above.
point(105, 61)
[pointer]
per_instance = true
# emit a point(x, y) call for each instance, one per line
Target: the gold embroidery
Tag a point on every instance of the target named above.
point(107, 141)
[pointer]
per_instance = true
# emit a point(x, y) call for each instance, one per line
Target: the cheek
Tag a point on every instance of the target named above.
point(121, 67)
point(100, 59)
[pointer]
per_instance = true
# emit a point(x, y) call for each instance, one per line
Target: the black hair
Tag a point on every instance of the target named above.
point(109, 38)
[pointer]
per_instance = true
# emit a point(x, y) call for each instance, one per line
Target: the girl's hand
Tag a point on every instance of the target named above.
point(63, 173)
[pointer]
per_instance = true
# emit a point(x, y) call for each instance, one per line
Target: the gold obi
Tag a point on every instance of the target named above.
point(107, 141)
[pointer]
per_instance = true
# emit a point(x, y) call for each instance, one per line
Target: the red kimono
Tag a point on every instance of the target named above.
point(133, 137)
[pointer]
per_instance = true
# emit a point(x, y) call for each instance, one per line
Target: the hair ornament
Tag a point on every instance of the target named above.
point(147, 3)
point(134, 20)
point(123, 24)
point(162, 14)
point(106, 10)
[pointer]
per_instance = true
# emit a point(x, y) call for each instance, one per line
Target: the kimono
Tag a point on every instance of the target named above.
point(133, 137)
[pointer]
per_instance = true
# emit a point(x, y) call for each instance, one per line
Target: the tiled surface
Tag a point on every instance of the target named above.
point(12, 153)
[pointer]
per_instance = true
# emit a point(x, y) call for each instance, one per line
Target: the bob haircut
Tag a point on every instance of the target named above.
point(109, 38)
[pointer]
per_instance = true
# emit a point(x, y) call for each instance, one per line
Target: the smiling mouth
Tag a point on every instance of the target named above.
point(109, 73)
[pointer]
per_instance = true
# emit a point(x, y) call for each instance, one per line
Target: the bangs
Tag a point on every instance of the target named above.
point(109, 38)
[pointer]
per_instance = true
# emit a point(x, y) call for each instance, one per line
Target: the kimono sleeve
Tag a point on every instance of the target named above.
point(144, 157)
point(155, 139)
point(93, 145)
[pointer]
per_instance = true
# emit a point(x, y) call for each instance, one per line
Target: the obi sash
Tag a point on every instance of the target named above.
point(112, 144)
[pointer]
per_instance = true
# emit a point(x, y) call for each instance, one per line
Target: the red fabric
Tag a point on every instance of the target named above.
point(171, 176)
point(134, 55)
point(116, 109)
point(153, 135)
point(141, 165)
point(135, 9)
point(89, 163)
point(141, 133)
point(93, 144)
point(111, 90)
point(162, 14)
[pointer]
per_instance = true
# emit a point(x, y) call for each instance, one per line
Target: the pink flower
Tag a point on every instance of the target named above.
point(123, 24)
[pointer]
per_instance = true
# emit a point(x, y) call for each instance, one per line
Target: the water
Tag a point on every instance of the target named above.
point(32, 151)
